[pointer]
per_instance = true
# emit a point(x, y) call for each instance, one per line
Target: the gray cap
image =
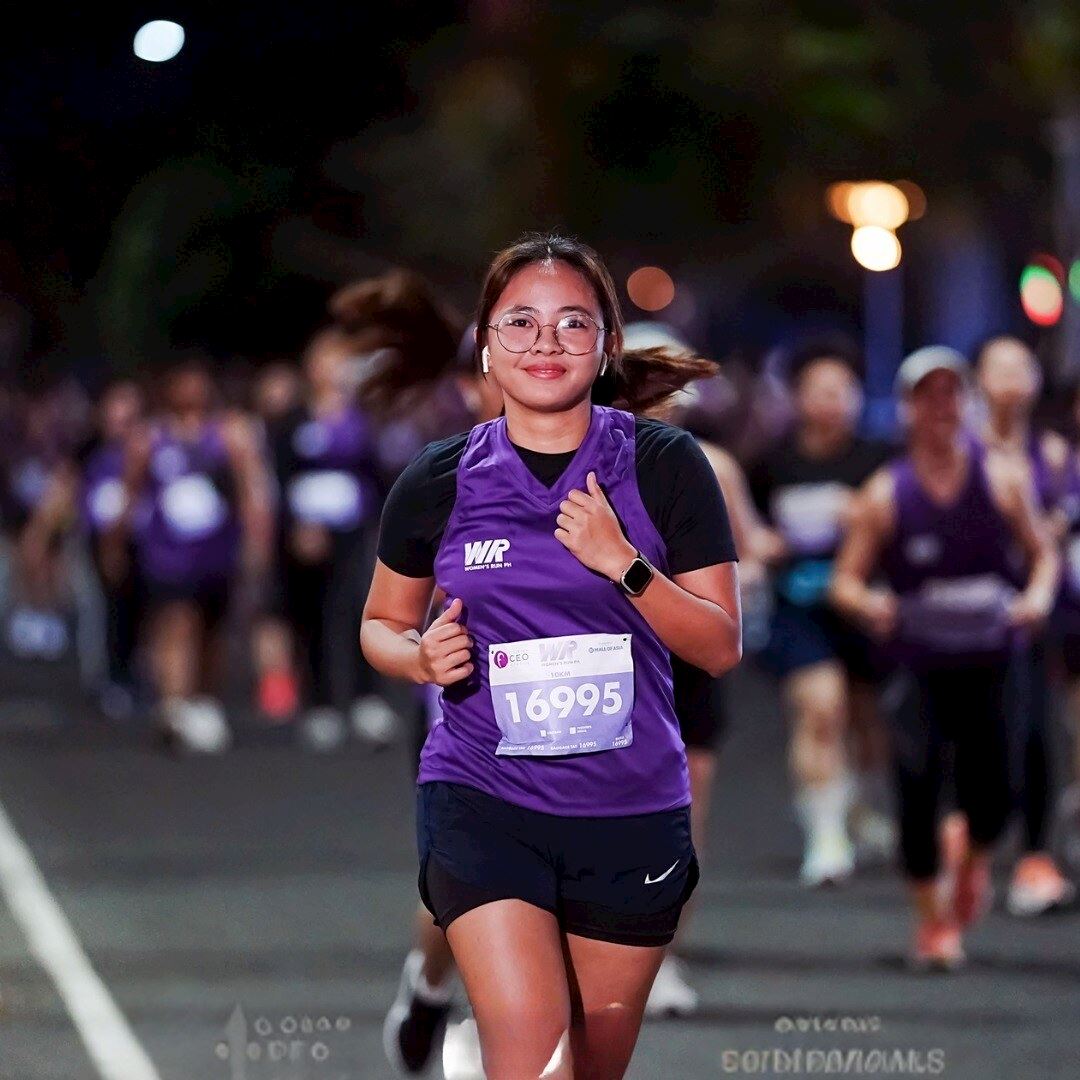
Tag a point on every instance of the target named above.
point(925, 362)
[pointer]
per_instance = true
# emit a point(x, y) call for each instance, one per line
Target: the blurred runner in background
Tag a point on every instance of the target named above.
point(1010, 380)
point(197, 507)
point(943, 525)
point(830, 672)
point(86, 490)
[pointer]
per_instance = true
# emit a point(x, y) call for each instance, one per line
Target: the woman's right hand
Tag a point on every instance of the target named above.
point(445, 654)
point(880, 611)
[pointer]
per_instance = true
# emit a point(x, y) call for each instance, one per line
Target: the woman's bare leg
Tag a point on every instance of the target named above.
point(510, 958)
point(609, 985)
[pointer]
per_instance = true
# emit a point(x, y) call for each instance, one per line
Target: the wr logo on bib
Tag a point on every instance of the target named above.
point(486, 554)
point(557, 650)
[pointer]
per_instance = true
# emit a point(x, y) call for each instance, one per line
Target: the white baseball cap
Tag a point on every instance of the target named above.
point(925, 362)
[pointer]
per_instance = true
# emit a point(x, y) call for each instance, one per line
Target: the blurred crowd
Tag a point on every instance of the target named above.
point(202, 544)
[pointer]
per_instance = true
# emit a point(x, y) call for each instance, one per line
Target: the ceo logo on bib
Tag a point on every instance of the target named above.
point(501, 659)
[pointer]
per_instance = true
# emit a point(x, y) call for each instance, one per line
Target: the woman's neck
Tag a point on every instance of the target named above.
point(326, 400)
point(1007, 430)
point(548, 433)
point(822, 442)
point(935, 453)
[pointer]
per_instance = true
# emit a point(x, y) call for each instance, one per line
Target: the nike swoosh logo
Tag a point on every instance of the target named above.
point(653, 881)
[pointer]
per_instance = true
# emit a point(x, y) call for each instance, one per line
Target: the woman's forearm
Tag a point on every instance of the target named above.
point(392, 649)
point(698, 631)
point(1043, 578)
point(847, 594)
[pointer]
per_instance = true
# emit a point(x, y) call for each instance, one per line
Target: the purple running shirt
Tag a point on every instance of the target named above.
point(953, 567)
point(191, 535)
point(569, 709)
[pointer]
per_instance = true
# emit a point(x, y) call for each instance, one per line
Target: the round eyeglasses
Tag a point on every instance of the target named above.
point(576, 334)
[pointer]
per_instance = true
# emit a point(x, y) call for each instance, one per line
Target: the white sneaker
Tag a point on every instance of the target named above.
point(1038, 886)
point(198, 726)
point(829, 860)
point(374, 721)
point(322, 730)
point(671, 994)
point(461, 1059)
point(874, 834)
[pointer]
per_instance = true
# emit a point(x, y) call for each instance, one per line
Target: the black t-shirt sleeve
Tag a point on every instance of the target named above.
point(682, 496)
point(418, 507)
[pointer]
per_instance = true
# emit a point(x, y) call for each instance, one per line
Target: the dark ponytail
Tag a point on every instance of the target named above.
point(410, 334)
point(639, 380)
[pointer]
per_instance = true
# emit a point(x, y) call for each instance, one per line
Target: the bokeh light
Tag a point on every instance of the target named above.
point(1051, 263)
point(875, 247)
point(158, 41)
point(1041, 294)
point(836, 197)
point(872, 202)
point(916, 198)
point(882, 205)
point(650, 288)
point(1074, 280)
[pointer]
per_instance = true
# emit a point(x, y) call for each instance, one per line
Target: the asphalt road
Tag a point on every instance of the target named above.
point(263, 899)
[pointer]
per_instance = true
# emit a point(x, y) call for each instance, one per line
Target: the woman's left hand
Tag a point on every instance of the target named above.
point(589, 530)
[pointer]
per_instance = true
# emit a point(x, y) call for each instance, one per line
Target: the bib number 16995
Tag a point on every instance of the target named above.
point(562, 699)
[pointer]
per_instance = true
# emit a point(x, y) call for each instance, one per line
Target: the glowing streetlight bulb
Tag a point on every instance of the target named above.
point(875, 247)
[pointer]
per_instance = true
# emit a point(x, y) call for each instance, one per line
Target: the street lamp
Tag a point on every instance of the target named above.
point(876, 209)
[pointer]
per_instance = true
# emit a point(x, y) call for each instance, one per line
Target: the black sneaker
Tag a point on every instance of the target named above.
point(414, 1028)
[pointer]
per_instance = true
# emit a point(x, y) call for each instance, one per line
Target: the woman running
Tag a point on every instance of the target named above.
point(1010, 381)
point(196, 506)
point(829, 671)
point(940, 525)
point(327, 474)
point(88, 488)
point(553, 817)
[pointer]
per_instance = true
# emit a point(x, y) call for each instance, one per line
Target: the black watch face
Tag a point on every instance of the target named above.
point(637, 576)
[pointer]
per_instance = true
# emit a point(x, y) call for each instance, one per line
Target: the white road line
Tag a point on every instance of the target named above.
point(105, 1033)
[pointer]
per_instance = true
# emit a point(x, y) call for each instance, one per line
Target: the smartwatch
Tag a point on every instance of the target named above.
point(636, 577)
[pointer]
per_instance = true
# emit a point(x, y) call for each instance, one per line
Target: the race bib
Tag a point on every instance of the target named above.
point(192, 506)
point(328, 497)
point(107, 501)
point(958, 615)
point(562, 695)
point(808, 516)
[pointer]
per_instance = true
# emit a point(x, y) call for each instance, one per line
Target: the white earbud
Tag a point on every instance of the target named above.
point(485, 367)
point(603, 366)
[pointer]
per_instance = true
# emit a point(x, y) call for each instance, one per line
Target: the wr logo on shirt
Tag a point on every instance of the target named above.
point(486, 554)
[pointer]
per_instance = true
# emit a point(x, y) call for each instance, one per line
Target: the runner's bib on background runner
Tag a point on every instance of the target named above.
point(562, 695)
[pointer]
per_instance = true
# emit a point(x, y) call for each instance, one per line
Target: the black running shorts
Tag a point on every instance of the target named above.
point(618, 879)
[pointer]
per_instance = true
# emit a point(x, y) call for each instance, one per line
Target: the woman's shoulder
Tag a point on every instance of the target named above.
point(655, 437)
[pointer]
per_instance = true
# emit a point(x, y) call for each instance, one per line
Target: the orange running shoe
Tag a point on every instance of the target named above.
point(937, 946)
point(278, 695)
point(1038, 886)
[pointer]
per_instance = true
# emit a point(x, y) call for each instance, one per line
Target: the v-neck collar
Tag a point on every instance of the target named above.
point(552, 496)
point(945, 505)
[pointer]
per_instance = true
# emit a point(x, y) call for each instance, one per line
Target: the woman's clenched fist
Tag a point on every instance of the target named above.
point(446, 649)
